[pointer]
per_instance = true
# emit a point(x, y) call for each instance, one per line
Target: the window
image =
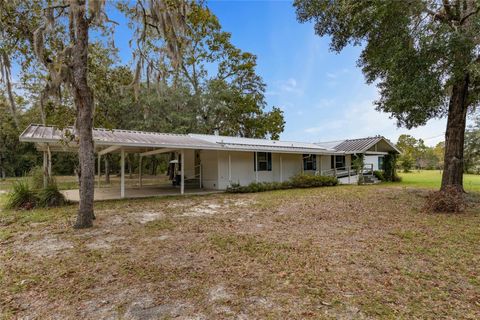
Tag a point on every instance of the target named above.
point(309, 162)
point(337, 162)
point(264, 161)
point(380, 163)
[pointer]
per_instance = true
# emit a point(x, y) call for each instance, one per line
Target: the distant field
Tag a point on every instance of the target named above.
point(432, 178)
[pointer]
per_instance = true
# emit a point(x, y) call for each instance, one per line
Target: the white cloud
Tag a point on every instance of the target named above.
point(290, 86)
point(285, 87)
point(357, 120)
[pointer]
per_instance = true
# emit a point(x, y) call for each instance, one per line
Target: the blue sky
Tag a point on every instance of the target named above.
point(323, 94)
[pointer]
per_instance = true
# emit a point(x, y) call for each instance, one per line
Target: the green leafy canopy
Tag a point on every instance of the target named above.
point(413, 50)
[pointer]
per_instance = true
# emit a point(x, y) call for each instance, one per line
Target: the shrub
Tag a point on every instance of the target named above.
point(309, 181)
point(51, 196)
point(449, 200)
point(379, 175)
point(22, 196)
point(36, 176)
point(298, 181)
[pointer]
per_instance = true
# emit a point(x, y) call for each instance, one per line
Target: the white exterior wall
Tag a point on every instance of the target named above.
point(209, 162)
point(348, 160)
point(325, 163)
point(372, 159)
point(218, 172)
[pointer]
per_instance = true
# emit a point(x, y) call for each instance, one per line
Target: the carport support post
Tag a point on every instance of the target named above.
point(281, 169)
point(182, 172)
point(229, 168)
point(140, 171)
point(99, 168)
point(122, 174)
point(256, 166)
point(45, 169)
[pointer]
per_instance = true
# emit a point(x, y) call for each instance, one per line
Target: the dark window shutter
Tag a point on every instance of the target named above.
point(269, 161)
point(314, 159)
point(254, 161)
point(332, 162)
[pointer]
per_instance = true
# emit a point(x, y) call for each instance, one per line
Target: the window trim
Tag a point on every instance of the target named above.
point(309, 159)
point(268, 161)
point(333, 161)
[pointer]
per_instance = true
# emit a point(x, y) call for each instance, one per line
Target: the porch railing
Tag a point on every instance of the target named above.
point(349, 171)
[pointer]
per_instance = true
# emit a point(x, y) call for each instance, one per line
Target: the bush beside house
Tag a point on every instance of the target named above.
point(297, 181)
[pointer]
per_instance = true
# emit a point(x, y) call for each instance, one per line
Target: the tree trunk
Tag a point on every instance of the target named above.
point(8, 84)
point(107, 169)
point(2, 169)
point(455, 136)
point(83, 98)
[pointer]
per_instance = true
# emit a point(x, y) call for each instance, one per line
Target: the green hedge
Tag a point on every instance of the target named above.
point(379, 175)
point(297, 181)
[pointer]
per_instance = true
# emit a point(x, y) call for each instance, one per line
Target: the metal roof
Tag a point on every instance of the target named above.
point(240, 143)
point(106, 137)
point(358, 145)
point(126, 138)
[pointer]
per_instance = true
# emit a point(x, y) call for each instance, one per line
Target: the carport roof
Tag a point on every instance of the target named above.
point(42, 135)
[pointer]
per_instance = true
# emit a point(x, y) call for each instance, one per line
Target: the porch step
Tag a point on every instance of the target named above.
point(368, 179)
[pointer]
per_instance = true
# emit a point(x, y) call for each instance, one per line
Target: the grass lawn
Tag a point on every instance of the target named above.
point(432, 178)
point(349, 252)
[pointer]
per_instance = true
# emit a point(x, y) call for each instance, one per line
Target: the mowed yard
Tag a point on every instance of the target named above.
point(348, 252)
point(432, 179)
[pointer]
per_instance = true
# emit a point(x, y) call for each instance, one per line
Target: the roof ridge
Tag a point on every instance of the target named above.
point(374, 137)
point(262, 139)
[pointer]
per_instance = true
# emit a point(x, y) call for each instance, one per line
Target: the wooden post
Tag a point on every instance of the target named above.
point(140, 172)
point(229, 168)
point(45, 169)
point(122, 174)
point(256, 166)
point(99, 169)
point(182, 172)
point(281, 169)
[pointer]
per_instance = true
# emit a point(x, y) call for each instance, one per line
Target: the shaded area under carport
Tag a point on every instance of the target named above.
point(135, 192)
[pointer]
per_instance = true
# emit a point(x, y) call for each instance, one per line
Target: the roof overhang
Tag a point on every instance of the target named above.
point(110, 141)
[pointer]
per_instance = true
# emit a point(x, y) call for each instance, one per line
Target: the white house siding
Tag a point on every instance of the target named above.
point(372, 159)
point(348, 160)
point(241, 168)
point(209, 161)
point(325, 163)
point(217, 175)
point(292, 164)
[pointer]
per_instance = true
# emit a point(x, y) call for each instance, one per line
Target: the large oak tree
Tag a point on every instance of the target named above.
point(422, 54)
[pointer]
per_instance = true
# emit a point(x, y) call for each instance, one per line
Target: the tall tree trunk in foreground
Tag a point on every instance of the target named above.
point(455, 136)
point(5, 65)
point(83, 98)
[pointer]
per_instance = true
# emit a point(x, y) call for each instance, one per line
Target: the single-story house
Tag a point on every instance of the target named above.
point(215, 161)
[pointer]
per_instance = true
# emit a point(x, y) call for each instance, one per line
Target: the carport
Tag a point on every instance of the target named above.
point(50, 139)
